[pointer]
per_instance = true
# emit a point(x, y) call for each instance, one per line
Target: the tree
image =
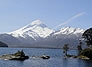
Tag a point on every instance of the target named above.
point(87, 52)
point(20, 53)
point(87, 35)
point(65, 48)
point(79, 47)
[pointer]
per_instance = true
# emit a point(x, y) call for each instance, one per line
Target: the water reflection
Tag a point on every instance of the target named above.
point(56, 60)
point(87, 63)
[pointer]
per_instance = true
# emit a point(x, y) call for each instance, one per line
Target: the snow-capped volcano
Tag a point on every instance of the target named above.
point(34, 30)
point(37, 34)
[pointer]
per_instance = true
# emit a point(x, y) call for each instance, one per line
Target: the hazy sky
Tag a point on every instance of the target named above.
point(15, 14)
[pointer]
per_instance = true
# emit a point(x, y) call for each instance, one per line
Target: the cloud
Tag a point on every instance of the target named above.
point(70, 19)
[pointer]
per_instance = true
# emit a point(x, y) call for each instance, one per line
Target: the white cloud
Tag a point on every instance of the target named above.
point(70, 19)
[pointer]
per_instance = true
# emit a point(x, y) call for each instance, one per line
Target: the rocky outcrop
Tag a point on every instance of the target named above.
point(45, 57)
point(42, 57)
point(20, 55)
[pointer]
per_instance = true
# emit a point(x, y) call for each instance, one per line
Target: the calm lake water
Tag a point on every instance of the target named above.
point(56, 60)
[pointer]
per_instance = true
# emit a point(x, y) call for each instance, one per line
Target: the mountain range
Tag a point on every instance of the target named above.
point(37, 34)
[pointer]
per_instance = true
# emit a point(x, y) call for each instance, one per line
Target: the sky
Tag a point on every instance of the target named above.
point(15, 14)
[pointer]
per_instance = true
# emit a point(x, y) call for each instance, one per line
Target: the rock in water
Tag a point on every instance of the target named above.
point(20, 55)
point(45, 57)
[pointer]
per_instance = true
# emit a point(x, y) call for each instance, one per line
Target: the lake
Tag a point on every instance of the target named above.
point(56, 60)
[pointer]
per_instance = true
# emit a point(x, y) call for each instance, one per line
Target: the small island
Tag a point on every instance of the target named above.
point(20, 55)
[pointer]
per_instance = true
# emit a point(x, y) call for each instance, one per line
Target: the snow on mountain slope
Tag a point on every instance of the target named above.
point(36, 34)
point(35, 30)
point(69, 30)
point(67, 35)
